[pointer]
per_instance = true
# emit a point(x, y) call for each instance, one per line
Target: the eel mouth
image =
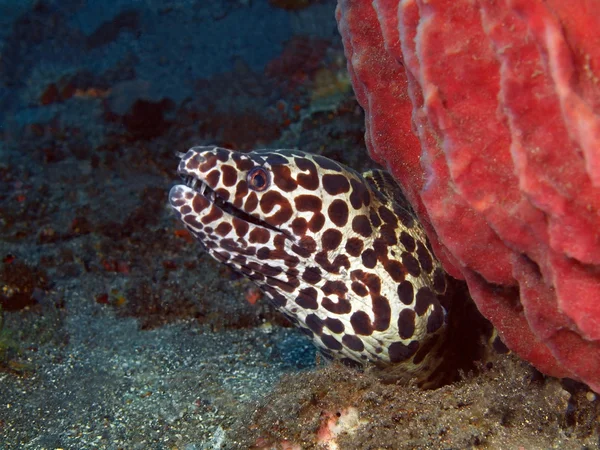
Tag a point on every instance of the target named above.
point(203, 189)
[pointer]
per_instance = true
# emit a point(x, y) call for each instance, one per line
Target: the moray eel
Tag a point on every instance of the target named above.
point(339, 253)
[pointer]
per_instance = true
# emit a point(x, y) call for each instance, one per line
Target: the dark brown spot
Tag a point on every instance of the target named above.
point(411, 264)
point(314, 323)
point(214, 214)
point(241, 226)
point(240, 259)
point(251, 202)
point(223, 229)
point(256, 276)
point(249, 250)
point(284, 285)
point(305, 247)
point(243, 164)
point(341, 306)
point(213, 178)
point(354, 246)
point(361, 323)
point(276, 159)
point(359, 289)
point(229, 175)
point(406, 323)
point(315, 224)
point(405, 217)
point(331, 239)
point(369, 259)
point(439, 280)
point(359, 192)
point(424, 258)
point(435, 319)
point(241, 190)
point(382, 313)
point(282, 177)
point(263, 253)
point(303, 252)
point(338, 212)
point(373, 282)
point(191, 220)
point(259, 235)
point(291, 261)
point(199, 203)
point(334, 287)
point(307, 298)
point(222, 154)
point(400, 352)
point(335, 325)
point(406, 292)
point(331, 342)
point(308, 203)
point(425, 298)
point(279, 253)
point(374, 218)
point(271, 271)
point(332, 267)
point(362, 226)
point(353, 342)
point(381, 250)
point(299, 226)
point(268, 201)
point(312, 275)
point(388, 234)
point(395, 270)
point(309, 181)
point(210, 162)
point(193, 162)
point(408, 241)
point(292, 272)
point(341, 261)
point(221, 256)
point(222, 193)
point(387, 216)
point(335, 184)
point(279, 241)
point(276, 297)
point(253, 266)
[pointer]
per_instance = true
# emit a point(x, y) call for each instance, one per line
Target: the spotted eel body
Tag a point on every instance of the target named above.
point(337, 252)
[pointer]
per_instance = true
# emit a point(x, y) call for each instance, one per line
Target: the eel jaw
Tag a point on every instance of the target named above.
point(201, 188)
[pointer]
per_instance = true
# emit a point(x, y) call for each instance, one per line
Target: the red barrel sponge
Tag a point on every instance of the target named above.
point(488, 114)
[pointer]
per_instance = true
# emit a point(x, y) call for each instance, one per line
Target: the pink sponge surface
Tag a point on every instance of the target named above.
point(488, 114)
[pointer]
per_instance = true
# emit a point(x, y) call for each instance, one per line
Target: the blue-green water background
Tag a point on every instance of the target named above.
point(118, 331)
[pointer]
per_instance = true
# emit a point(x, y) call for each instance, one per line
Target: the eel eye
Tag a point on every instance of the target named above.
point(258, 179)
